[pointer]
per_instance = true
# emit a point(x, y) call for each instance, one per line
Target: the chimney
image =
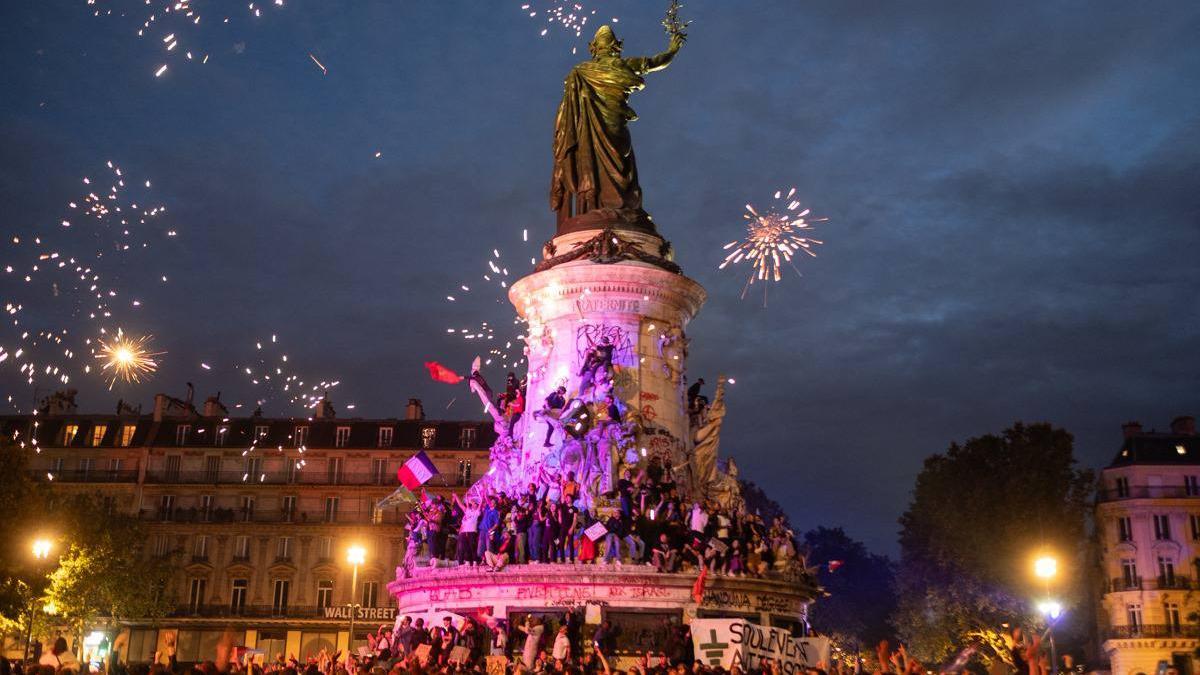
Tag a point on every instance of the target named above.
point(191, 394)
point(1184, 425)
point(160, 406)
point(214, 408)
point(414, 410)
point(324, 410)
point(1131, 429)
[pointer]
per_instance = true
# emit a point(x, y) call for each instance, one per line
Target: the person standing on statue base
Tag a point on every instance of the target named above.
point(556, 402)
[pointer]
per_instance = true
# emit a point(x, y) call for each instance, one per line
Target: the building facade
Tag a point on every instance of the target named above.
point(1148, 525)
point(255, 513)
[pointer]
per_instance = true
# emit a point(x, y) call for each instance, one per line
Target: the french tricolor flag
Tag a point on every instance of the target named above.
point(416, 471)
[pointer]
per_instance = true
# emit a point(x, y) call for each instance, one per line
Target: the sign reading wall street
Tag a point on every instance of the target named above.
point(731, 643)
point(342, 612)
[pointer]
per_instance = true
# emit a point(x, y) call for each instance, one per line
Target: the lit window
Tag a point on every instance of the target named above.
point(98, 435)
point(127, 435)
point(385, 437)
point(428, 437)
point(69, 433)
point(341, 437)
point(181, 434)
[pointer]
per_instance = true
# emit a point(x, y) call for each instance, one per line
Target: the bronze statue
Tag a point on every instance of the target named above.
point(595, 180)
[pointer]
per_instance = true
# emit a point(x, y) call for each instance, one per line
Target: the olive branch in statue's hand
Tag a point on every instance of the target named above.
point(675, 28)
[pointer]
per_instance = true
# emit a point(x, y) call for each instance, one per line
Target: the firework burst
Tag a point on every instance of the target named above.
point(125, 358)
point(772, 239)
point(570, 17)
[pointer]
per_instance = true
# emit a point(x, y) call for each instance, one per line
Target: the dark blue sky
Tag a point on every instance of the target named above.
point(1013, 191)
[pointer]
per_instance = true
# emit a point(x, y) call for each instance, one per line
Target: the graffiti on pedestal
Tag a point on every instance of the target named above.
point(588, 335)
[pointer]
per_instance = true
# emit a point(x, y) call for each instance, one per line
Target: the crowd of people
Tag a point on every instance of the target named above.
point(650, 525)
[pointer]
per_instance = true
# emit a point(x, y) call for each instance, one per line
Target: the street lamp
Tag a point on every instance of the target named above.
point(355, 555)
point(1046, 569)
point(41, 551)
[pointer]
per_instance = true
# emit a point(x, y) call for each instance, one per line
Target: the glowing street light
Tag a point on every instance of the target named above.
point(355, 555)
point(1046, 567)
point(1051, 609)
point(41, 548)
point(41, 551)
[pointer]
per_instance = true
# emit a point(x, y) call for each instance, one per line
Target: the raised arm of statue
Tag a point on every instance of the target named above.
point(649, 64)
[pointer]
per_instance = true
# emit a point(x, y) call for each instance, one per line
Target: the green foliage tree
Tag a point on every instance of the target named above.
point(979, 515)
point(18, 575)
point(861, 588)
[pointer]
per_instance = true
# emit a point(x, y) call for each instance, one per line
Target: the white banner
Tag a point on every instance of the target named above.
point(738, 643)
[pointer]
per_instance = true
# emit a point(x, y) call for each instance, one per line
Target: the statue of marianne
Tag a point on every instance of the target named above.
point(595, 180)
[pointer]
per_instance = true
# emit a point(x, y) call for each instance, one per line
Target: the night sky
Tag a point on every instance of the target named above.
point(1013, 188)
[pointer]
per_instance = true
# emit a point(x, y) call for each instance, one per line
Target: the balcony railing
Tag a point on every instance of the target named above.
point(167, 477)
point(1151, 631)
point(86, 475)
point(1165, 583)
point(1148, 492)
point(252, 611)
point(342, 517)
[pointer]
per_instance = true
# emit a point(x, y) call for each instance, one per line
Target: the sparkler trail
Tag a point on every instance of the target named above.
point(772, 239)
point(273, 376)
point(127, 359)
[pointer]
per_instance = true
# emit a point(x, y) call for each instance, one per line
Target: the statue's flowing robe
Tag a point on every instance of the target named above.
point(594, 166)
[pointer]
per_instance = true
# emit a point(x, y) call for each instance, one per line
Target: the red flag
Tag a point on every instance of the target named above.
point(834, 565)
point(698, 588)
point(441, 373)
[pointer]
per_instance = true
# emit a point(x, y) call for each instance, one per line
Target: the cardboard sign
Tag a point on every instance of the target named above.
point(718, 545)
point(460, 655)
point(596, 532)
point(422, 652)
point(736, 643)
point(496, 665)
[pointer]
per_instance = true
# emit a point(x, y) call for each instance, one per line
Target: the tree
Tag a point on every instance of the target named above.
point(18, 576)
point(105, 571)
point(861, 588)
point(979, 514)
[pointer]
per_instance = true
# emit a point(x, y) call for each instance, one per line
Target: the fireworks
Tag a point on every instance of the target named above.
point(773, 239)
point(127, 359)
point(571, 17)
point(274, 377)
point(180, 24)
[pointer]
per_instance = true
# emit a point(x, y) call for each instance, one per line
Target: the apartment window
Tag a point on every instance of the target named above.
point(1133, 614)
point(300, 436)
point(1166, 572)
point(160, 545)
point(85, 467)
point(241, 547)
point(325, 548)
point(206, 507)
point(114, 466)
point(56, 465)
point(379, 471)
point(222, 435)
point(247, 508)
point(370, 593)
point(237, 595)
point(212, 468)
point(428, 437)
point(288, 508)
point(172, 467)
point(200, 547)
point(1171, 610)
point(291, 468)
point(331, 509)
point(283, 549)
point(127, 435)
point(279, 596)
point(260, 431)
point(466, 437)
point(99, 430)
point(1191, 485)
point(341, 437)
point(324, 593)
point(182, 432)
point(70, 431)
point(464, 472)
point(1195, 522)
point(385, 437)
point(1129, 573)
point(253, 471)
point(333, 470)
point(1124, 529)
point(166, 505)
point(1162, 527)
point(196, 595)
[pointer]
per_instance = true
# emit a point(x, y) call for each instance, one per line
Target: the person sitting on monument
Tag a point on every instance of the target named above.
point(663, 555)
point(556, 402)
point(497, 559)
point(514, 408)
point(693, 392)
